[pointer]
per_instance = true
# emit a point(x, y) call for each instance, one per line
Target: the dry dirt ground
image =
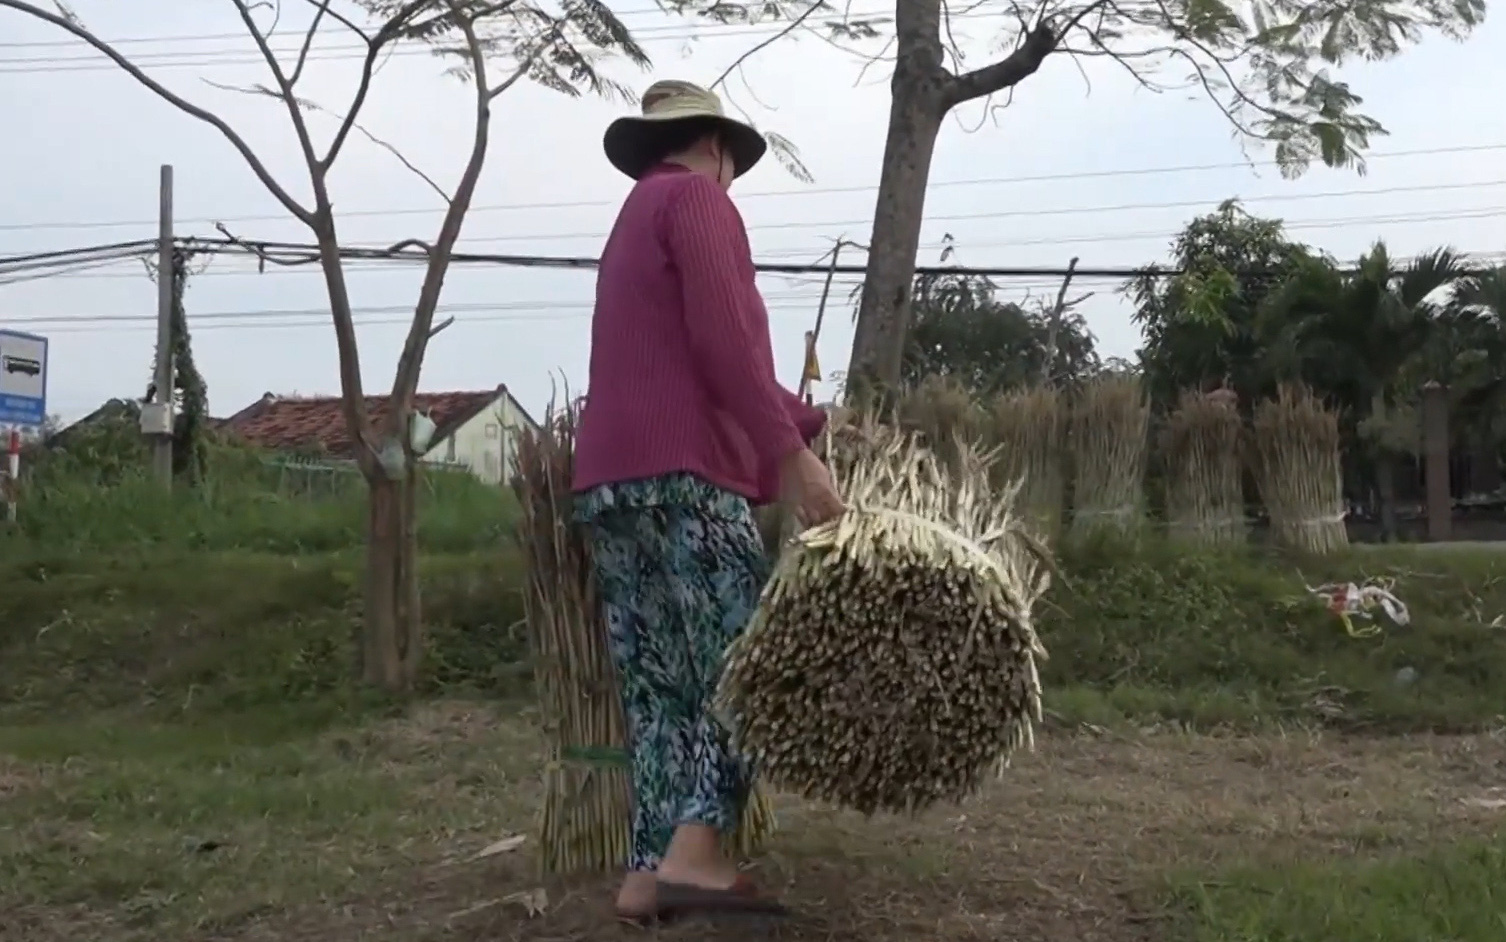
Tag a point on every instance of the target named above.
point(1076, 843)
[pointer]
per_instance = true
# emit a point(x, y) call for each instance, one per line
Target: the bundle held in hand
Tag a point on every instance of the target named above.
point(892, 661)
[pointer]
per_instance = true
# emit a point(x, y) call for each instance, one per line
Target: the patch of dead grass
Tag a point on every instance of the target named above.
point(1070, 844)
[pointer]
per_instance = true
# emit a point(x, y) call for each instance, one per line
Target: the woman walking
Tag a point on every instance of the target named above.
point(684, 427)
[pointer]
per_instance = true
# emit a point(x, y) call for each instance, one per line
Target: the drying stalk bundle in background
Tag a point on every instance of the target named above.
point(1107, 434)
point(1297, 468)
point(1201, 446)
point(944, 414)
point(1027, 431)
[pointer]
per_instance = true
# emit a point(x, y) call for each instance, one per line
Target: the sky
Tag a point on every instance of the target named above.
point(1082, 163)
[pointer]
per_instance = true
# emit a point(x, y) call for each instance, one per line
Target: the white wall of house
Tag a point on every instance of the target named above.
point(487, 443)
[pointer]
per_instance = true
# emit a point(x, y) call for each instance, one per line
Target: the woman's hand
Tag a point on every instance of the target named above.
point(806, 487)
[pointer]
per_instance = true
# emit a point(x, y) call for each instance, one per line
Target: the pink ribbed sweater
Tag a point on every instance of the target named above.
point(682, 370)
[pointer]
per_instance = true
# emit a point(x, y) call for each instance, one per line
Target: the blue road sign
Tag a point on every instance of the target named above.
point(23, 378)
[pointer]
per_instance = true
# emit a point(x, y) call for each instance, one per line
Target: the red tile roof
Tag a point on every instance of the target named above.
point(286, 423)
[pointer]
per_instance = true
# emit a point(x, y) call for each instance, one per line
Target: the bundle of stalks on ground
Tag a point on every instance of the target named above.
point(1107, 433)
point(1026, 429)
point(1298, 471)
point(1201, 445)
point(944, 414)
point(892, 660)
point(586, 815)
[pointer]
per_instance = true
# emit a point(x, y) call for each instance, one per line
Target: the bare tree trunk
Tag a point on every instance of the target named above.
point(884, 313)
point(392, 635)
point(381, 661)
point(410, 623)
point(923, 93)
point(1385, 483)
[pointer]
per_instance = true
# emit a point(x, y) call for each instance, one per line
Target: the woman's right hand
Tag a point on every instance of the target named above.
point(806, 487)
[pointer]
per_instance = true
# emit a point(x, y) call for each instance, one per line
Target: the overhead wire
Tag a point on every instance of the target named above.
point(90, 61)
point(279, 253)
point(850, 13)
point(1073, 176)
point(773, 256)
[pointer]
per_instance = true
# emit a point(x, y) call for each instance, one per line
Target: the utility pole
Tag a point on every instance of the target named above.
point(807, 368)
point(161, 424)
point(12, 479)
point(1054, 325)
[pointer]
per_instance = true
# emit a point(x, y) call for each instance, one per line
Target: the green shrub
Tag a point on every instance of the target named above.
point(245, 503)
point(1145, 635)
point(1205, 638)
point(184, 632)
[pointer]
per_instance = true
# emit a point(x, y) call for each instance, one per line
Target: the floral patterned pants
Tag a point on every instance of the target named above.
point(679, 566)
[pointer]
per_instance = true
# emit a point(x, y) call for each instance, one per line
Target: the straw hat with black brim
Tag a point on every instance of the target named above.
point(633, 143)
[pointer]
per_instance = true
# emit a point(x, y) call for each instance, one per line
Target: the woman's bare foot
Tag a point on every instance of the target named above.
point(637, 897)
point(695, 859)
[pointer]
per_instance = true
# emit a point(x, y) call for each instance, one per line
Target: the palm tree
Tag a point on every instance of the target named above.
point(1351, 334)
point(1477, 358)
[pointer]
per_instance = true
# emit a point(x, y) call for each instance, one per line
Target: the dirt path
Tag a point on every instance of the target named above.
point(1071, 845)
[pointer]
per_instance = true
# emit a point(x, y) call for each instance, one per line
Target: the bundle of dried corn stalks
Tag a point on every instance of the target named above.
point(892, 660)
point(586, 816)
point(1201, 445)
point(944, 414)
point(1027, 430)
point(1298, 471)
point(1109, 425)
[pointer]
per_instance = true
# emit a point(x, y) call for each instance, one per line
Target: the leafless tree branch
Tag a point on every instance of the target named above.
point(308, 41)
point(390, 31)
point(259, 251)
point(411, 361)
point(788, 29)
point(71, 25)
point(339, 18)
point(1035, 45)
point(528, 61)
point(392, 149)
point(295, 114)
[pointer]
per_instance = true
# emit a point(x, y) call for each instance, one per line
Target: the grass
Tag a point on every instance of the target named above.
point(251, 828)
point(1154, 636)
point(248, 501)
point(1453, 893)
point(146, 831)
point(183, 634)
point(183, 756)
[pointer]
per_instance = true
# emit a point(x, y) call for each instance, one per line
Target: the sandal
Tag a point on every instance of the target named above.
point(646, 920)
point(742, 897)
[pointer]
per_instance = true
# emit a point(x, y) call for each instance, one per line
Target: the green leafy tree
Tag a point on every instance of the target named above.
point(963, 331)
point(1470, 358)
point(1199, 326)
point(1352, 334)
point(1265, 66)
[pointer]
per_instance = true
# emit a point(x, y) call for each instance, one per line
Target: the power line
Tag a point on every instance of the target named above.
point(297, 254)
point(378, 254)
point(813, 191)
point(769, 266)
point(315, 318)
point(622, 15)
point(999, 214)
point(243, 53)
point(243, 58)
point(92, 61)
point(453, 308)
